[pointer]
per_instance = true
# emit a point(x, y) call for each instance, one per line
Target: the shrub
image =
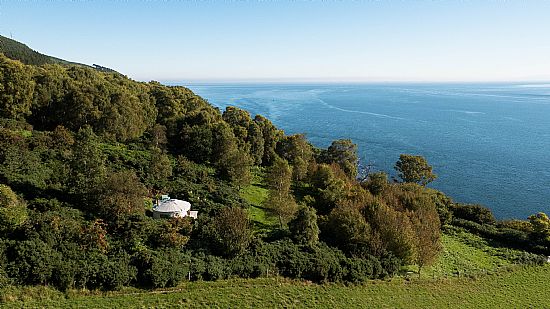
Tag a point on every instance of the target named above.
point(474, 213)
point(159, 269)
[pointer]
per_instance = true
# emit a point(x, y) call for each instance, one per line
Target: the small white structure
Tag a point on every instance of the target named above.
point(172, 208)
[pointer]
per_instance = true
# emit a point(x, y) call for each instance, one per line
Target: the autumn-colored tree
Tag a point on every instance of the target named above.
point(121, 194)
point(427, 228)
point(232, 232)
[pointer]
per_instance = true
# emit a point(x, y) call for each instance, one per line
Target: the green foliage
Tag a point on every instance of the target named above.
point(16, 89)
point(376, 182)
point(474, 213)
point(13, 212)
point(347, 229)
point(248, 133)
point(280, 201)
point(159, 269)
point(303, 228)
point(121, 194)
point(416, 169)
point(271, 137)
point(344, 153)
point(18, 51)
point(231, 231)
point(297, 151)
point(541, 227)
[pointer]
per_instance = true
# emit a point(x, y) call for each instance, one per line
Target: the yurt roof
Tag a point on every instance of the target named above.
point(173, 205)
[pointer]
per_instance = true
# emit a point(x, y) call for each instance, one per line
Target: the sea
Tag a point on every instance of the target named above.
point(489, 144)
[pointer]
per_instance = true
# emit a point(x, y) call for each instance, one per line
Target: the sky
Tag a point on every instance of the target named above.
point(363, 41)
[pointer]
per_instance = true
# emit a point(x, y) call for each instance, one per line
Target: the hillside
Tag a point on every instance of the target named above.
point(85, 154)
point(18, 51)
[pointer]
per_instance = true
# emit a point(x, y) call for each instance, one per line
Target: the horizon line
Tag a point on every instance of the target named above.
point(340, 81)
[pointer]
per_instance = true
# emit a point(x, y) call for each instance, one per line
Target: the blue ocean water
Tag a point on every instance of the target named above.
point(489, 143)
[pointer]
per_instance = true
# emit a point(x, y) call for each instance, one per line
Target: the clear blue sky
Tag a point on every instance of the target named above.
point(293, 40)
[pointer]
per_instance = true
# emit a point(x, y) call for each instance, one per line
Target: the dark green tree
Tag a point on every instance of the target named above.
point(298, 152)
point(376, 182)
point(270, 136)
point(344, 153)
point(303, 228)
point(87, 167)
point(416, 169)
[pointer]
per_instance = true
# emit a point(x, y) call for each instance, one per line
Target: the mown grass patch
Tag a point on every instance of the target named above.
point(255, 194)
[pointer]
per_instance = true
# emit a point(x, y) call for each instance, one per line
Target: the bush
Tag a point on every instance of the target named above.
point(32, 262)
point(474, 213)
point(527, 258)
point(159, 269)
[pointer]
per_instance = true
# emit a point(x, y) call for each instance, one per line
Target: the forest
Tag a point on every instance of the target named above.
point(84, 153)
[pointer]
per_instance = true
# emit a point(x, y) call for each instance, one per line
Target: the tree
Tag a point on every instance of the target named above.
point(304, 227)
point(16, 88)
point(87, 167)
point(280, 201)
point(13, 212)
point(416, 169)
point(298, 152)
point(347, 229)
point(232, 230)
point(121, 194)
point(541, 227)
point(376, 182)
point(236, 168)
point(160, 169)
point(248, 133)
point(344, 153)
point(428, 236)
point(270, 136)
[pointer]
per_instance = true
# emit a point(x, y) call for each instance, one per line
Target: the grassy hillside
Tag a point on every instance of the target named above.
point(524, 288)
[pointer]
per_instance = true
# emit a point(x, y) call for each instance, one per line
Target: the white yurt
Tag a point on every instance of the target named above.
point(170, 208)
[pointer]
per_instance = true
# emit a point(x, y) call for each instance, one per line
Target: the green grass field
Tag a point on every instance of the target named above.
point(255, 194)
point(521, 288)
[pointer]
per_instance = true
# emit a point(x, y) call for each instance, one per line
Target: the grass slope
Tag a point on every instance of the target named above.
point(255, 194)
point(466, 254)
point(522, 288)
